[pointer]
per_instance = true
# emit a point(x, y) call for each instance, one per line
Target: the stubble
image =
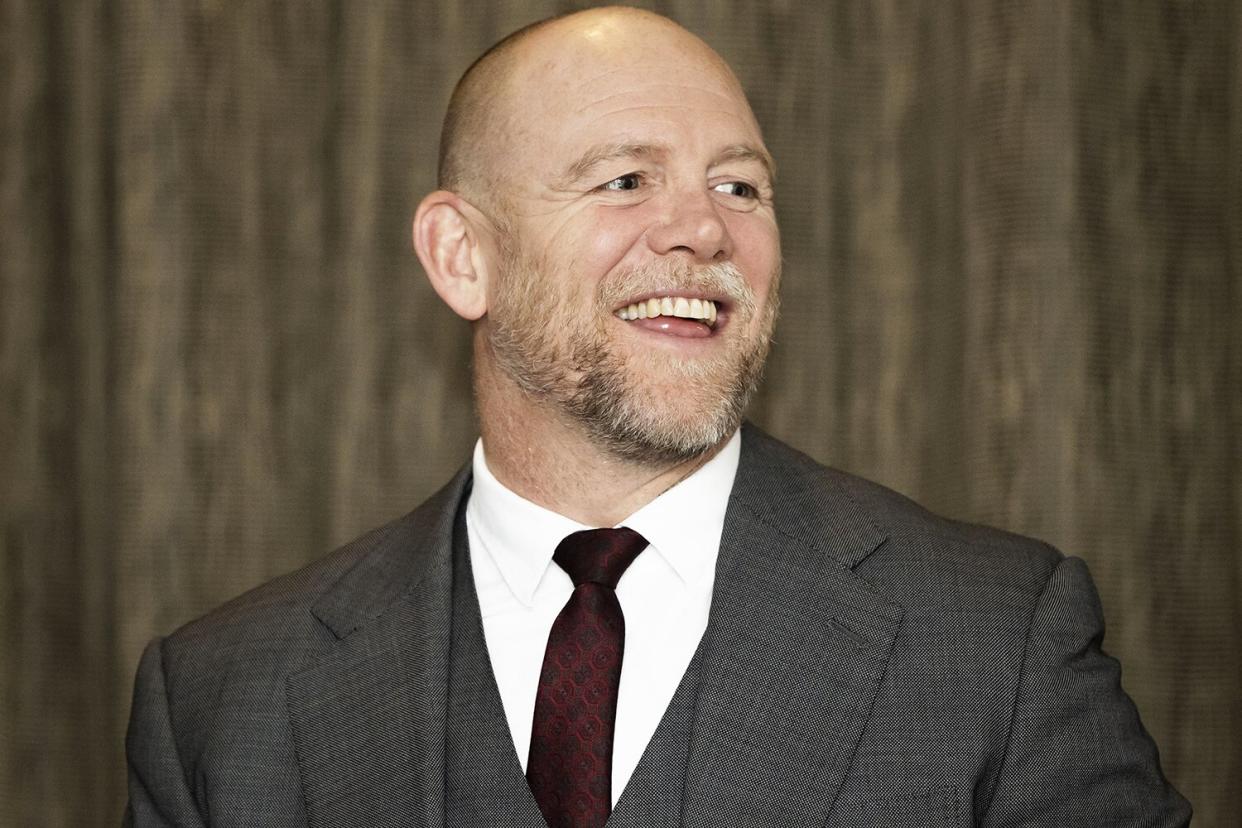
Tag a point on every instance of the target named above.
point(650, 407)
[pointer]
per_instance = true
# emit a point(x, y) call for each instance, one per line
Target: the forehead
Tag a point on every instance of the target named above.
point(641, 84)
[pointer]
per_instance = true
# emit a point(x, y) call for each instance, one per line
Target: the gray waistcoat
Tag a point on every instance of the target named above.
point(484, 784)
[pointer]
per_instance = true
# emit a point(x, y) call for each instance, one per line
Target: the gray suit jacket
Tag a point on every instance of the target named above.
point(866, 663)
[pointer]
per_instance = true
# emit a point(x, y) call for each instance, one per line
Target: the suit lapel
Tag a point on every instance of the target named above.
point(368, 718)
point(797, 646)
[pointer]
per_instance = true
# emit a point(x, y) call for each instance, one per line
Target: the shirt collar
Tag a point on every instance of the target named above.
point(683, 524)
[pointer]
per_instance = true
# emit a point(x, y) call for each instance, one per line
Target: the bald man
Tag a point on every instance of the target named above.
point(628, 607)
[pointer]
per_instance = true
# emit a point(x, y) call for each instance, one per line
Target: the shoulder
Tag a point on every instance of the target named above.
point(918, 556)
point(280, 609)
point(290, 620)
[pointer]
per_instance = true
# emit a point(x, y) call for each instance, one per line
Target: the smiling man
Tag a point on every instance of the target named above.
point(629, 608)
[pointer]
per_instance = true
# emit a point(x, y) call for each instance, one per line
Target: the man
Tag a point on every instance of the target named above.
point(759, 641)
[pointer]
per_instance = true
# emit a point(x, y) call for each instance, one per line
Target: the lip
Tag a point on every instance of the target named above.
point(650, 330)
point(673, 331)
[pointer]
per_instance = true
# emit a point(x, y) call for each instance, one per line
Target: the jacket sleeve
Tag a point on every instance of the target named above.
point(1077, 753)
point(158, 792)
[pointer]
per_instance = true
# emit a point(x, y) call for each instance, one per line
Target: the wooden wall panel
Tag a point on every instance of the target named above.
point(1013, 258)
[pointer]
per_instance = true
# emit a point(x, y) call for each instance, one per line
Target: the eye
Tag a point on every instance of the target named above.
point(629, 181)
point(737, 188)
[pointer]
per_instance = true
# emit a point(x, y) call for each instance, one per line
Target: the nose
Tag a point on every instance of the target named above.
point(691, 223)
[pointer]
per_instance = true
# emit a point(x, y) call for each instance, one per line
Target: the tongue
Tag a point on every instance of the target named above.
point(674, 326)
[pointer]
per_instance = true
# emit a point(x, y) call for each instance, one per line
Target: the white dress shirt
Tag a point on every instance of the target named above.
point(665, 595)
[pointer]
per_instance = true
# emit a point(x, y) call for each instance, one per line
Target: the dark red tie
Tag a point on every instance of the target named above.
point(570, 764)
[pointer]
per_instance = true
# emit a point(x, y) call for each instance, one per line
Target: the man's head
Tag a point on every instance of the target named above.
point(603, 179)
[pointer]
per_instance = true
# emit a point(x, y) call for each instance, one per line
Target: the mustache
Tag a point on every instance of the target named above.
point(722, 280)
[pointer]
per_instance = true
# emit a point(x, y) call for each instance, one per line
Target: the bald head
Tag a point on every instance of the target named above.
point(472, 109)
point(488, 103)
point(592, 163)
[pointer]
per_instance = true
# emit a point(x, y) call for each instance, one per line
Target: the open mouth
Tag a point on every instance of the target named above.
point(680, 316)
point(702, 312)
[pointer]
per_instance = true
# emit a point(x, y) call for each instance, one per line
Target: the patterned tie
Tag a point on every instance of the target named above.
point(570, 765)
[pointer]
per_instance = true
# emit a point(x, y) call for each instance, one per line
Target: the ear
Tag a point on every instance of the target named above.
point(449, 240)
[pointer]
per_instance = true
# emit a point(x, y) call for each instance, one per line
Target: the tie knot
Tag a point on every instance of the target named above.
point(599, 555)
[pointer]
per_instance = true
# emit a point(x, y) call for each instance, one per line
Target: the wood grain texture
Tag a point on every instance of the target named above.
point(1013, 278)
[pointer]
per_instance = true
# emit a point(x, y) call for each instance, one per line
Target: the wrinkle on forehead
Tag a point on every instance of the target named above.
point(655, 107)
point(558, 94)
point(676, 59)
point(726, 101)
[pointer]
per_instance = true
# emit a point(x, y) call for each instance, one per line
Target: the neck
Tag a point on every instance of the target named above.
point(537, 452)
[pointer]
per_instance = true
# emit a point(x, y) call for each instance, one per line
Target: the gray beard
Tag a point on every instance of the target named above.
point(594, 386)
point(604, 402)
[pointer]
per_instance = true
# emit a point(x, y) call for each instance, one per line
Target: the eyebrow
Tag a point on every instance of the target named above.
point(603, 153)
point(747, 152)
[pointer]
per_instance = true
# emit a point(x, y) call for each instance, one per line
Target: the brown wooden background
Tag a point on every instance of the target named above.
point(1013, 234)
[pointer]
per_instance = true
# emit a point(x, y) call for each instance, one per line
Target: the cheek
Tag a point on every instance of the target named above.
point(608, 235)
point(757, 251)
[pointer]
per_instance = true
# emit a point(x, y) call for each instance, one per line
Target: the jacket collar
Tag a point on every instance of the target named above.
point(393, 561)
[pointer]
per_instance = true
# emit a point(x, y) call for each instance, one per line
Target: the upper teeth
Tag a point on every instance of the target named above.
point(704, 309)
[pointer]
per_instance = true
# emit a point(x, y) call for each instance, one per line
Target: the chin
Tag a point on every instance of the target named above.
point(660, 424)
